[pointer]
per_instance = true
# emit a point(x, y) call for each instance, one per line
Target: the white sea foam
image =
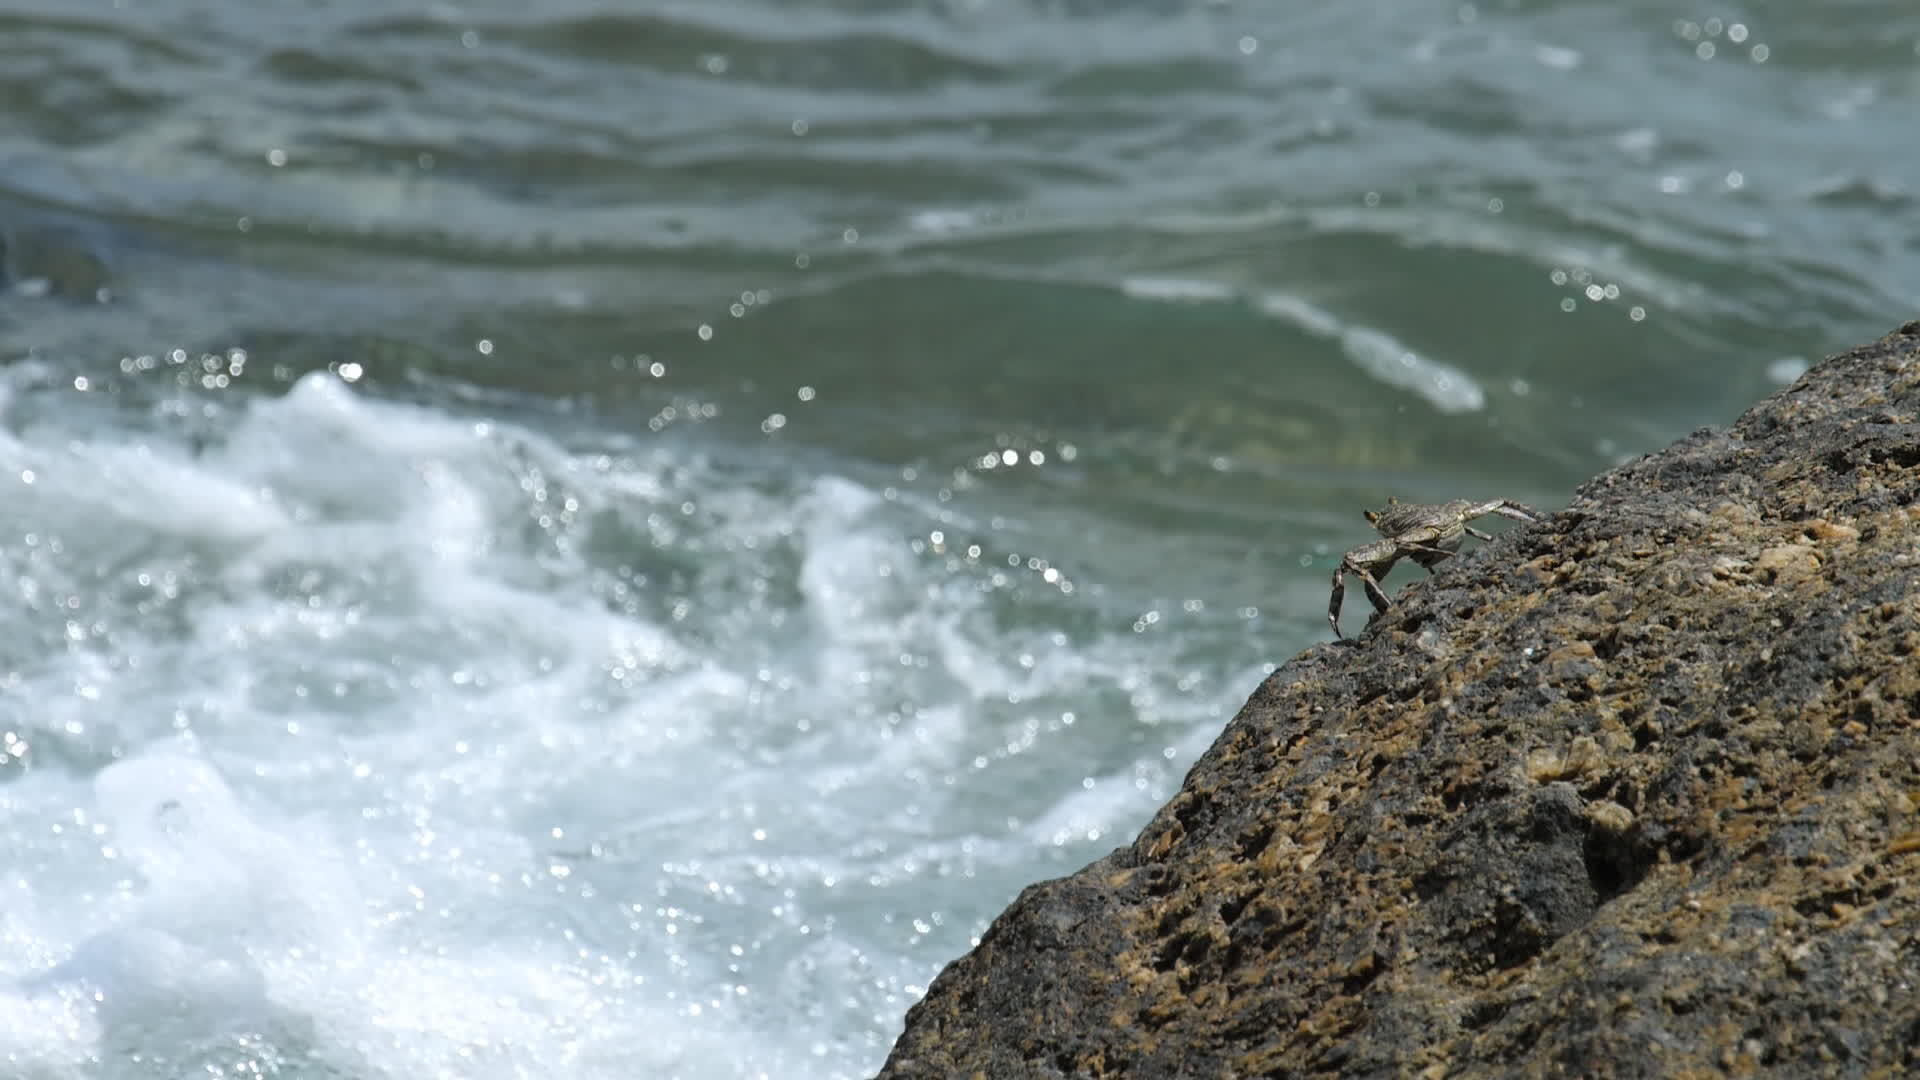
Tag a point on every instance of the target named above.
point(1383, 356)
point(1183, 290)
point(421, 744)
point(942, 222)
point(100, 486)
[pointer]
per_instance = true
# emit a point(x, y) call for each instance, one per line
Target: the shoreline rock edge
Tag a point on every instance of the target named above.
point(1633, 792)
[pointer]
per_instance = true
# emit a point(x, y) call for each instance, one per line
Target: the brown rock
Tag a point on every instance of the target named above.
point(1641, 804)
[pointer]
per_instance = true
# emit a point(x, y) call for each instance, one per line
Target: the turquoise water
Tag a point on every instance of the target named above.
point(610, 540)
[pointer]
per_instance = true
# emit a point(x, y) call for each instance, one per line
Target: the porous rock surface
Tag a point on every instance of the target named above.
point(1630, 793)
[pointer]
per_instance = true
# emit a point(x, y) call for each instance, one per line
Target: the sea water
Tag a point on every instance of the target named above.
point(610, 540)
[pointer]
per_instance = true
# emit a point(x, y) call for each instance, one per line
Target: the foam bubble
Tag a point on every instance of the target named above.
point(187, 951)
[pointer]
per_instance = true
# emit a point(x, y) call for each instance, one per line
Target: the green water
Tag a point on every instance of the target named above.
point(977, 224)
point(1013, 369)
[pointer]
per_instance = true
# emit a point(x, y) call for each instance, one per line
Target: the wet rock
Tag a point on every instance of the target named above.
point(1643, 805)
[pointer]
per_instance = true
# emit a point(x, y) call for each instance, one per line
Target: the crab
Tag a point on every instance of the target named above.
point(1427, 533)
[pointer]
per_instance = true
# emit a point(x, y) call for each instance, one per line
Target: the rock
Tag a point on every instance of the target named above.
point(1644, 805)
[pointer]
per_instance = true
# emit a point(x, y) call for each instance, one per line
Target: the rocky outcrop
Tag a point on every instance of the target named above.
point(1630, 792)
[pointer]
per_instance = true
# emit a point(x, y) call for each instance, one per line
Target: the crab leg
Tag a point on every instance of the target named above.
point(1517, 511)
point(1443, 554)
point(1374, 593)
